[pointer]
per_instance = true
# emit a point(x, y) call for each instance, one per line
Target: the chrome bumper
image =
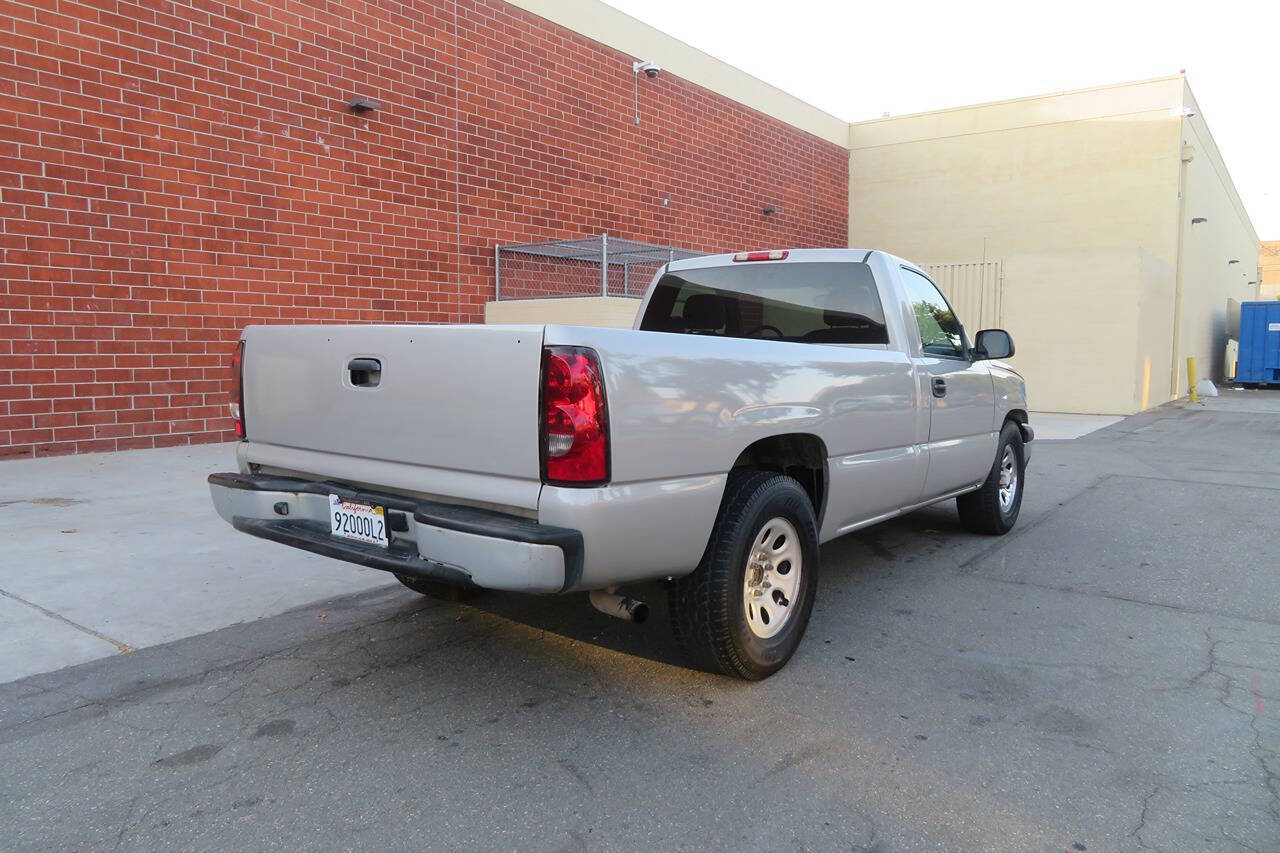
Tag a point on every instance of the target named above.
point(459, 545)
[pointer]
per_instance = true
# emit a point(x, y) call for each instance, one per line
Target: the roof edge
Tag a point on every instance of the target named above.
point(1018, 100)
point(1199, 122)
point(616, 29)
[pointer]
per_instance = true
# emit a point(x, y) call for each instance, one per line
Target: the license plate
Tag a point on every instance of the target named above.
point(361, 522)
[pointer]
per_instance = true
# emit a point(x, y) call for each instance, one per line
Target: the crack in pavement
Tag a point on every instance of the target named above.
point(1261, 752)
point(1177, 608)
point(1216, 677)
point(1136, 834)
point(124, 648)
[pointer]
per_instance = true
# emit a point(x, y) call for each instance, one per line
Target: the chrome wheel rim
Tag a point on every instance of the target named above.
point(772, 577)
point(1008, 479)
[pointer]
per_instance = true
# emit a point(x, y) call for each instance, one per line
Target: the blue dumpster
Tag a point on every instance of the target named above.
point(1259, 360)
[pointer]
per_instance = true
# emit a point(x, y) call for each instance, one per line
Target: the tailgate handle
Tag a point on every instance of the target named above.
point(365, 372)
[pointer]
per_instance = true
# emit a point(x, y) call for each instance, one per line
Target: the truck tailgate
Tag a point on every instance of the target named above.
point(453, 410)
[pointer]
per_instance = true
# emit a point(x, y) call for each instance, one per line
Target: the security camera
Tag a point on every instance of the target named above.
point(650, 68)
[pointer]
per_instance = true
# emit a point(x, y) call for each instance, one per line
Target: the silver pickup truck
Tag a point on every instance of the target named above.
point(764, 403)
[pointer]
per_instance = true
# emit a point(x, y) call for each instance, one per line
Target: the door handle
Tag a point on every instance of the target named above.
point(939, 387)
point(365, 372)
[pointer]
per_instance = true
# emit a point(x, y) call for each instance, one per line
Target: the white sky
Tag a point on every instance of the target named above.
point(857, 60)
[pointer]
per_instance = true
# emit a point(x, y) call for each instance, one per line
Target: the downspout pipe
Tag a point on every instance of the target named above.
point(1186, 154)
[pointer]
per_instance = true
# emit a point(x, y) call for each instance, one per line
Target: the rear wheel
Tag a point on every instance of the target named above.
point(993, 509)
point(744, 610)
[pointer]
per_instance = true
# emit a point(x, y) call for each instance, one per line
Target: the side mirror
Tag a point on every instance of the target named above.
point(992, 343)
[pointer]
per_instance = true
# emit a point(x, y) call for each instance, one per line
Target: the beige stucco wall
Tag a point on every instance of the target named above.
point(1153, 335)
point(1269, 267)
point(1081, 170)
point(1208, 280)
point(1058, 339)
point(1056, 187)
point(608, 311)
point(1076, 194)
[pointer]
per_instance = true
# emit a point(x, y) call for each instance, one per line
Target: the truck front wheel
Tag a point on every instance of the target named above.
point(993, 509)
point(744, 609)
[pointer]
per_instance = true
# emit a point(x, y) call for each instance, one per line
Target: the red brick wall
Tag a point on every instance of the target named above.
point(170, 172)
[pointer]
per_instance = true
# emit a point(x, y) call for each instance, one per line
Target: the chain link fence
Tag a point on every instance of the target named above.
point(592, 266)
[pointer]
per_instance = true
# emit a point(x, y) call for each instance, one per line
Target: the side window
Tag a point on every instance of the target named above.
point(940, 331)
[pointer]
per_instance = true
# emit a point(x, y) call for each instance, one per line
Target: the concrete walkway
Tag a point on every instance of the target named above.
point(1056, 426)
point(110, 552)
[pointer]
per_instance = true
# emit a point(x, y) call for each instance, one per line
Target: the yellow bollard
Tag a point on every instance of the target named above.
point(1191, 377)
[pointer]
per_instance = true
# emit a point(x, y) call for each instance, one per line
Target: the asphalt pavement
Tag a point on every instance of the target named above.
point(1106, 677)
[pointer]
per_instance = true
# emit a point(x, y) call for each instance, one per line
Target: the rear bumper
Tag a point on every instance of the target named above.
point(458, 545)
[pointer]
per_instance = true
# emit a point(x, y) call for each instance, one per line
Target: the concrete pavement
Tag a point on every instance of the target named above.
point(110, 552)
point(1055, 426)
point(1104, 678)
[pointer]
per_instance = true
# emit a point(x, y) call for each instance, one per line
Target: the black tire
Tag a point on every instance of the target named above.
point(435, 589)
point(708, 614)
point(982, 511)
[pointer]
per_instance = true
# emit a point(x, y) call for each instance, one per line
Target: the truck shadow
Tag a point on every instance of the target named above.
point(900, 551)
point(572, 616)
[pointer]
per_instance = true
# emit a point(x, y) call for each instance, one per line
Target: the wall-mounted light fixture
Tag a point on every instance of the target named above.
point(360, 106)
point(651, 70)
point(1198, 219)
point(770, 209)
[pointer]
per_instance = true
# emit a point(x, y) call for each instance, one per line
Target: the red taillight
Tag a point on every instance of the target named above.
point(575, 427)
point(237, 389)
point(775, 255)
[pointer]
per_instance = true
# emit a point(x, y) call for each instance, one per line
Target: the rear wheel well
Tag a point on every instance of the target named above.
point(801, 456)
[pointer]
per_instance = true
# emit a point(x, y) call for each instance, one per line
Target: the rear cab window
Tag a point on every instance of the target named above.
point(820, 303)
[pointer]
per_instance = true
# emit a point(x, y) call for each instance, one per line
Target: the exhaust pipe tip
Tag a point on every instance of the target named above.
point(619, 606)
point(639, 611)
